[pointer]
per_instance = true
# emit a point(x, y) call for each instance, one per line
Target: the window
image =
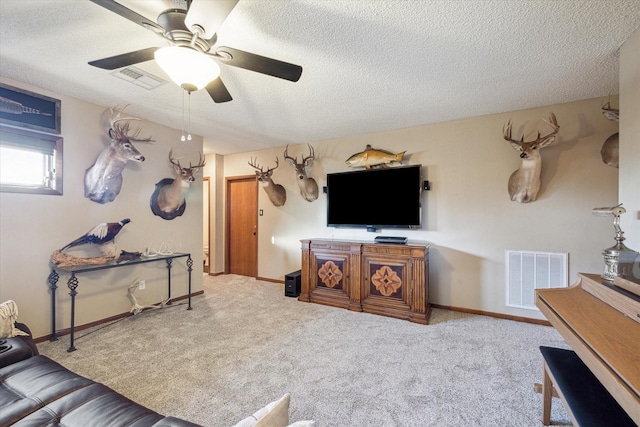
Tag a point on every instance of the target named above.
point(30, 162)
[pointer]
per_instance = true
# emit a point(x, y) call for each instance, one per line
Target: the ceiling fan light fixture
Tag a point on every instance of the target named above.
point(188, 68)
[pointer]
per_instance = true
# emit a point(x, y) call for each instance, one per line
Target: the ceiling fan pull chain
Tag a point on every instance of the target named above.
point(183, 138)
point(189, 117)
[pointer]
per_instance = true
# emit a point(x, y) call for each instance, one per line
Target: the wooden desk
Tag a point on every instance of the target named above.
point(606, 340)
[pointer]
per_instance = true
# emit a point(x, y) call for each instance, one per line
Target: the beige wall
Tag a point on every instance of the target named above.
point(630, 141)
point(467, 216)
point(33, 226)
point(215, 170)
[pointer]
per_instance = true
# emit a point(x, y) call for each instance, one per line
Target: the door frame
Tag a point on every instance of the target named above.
point(206, 183)
point(227, 241)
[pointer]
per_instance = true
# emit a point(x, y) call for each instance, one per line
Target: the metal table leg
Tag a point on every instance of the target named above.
point(189, 265)
point(72, 284)
point(169, 262)
point(53, 280)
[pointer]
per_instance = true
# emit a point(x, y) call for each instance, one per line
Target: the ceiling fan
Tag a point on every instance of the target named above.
point(191, 32)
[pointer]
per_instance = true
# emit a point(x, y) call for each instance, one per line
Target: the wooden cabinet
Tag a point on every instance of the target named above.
point(386, 279)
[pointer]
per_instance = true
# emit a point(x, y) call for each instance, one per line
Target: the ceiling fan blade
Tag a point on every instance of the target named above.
point(260, 64)
point(125, 59)
point(218, 91)
point(209, 15)
point(129, 14)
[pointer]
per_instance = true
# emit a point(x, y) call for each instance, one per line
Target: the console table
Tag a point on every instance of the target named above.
point(386, 279)
point(72, 284)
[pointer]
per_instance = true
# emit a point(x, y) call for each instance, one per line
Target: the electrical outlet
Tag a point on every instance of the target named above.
point(141, 284)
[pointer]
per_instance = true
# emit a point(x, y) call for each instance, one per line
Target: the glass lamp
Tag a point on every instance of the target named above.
point(187, 67)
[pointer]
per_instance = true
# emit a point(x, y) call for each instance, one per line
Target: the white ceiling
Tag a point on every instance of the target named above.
point(368, 65)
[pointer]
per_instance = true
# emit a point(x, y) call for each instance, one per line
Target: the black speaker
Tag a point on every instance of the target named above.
point(292, 282)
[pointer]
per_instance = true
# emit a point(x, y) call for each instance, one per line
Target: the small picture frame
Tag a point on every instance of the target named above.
point(19, 107)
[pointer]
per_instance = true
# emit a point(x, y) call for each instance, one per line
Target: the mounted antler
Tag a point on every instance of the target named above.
point(308, 185)
point(276, 192)
point(168, 199)
point(120, 131)
point(186, 173)
point(306, 161)
point(257, 166)
point(539, 142)
point(103, 180)
point(524, 184)
point(610, 147)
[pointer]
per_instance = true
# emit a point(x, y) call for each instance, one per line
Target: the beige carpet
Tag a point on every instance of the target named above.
point(245, 344)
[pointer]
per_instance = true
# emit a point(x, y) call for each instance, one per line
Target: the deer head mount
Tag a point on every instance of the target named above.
point(308, 186)
point(276, 192)
point(103, 180)
point(524, 183)
point(168, 199)
point(609, 150)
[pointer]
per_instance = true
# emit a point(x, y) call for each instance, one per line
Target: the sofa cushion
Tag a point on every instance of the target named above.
point(29, 385)
point(174, 422)
point(95, 405)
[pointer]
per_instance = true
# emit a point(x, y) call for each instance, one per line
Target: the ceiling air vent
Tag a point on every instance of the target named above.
point(139, 77)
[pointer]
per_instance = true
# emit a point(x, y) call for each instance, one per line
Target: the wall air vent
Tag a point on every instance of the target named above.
point(528, 271)
point(139, 77)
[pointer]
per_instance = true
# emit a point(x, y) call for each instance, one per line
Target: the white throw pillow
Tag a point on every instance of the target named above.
point(275, 414)
point(8, 317)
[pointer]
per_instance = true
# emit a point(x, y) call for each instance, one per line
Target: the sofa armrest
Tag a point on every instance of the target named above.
point(14, 350)
point(27, 339)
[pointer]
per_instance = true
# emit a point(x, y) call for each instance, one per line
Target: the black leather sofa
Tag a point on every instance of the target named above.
point(36, 391)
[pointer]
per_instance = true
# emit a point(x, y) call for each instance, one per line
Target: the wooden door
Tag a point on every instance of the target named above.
point(242, 226)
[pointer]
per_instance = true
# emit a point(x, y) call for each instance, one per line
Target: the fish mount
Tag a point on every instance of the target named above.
point(374, 158)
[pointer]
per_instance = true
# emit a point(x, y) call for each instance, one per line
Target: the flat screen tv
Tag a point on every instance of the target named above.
point(375, 198)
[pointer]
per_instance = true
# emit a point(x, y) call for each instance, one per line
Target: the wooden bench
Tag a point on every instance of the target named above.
point(588, 403)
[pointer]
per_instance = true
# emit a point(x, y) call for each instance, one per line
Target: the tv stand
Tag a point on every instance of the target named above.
point(396, 240)
point(386, 279)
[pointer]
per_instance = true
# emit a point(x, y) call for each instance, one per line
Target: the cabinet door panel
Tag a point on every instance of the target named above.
point(386, 280)
point(386, 287)
point(329, 279)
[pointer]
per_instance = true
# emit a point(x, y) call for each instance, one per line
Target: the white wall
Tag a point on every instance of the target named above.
point(33, 226)
point(468, 217)
point(630, 141)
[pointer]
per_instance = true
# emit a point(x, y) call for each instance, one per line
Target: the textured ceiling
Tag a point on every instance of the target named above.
point(368, 66)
